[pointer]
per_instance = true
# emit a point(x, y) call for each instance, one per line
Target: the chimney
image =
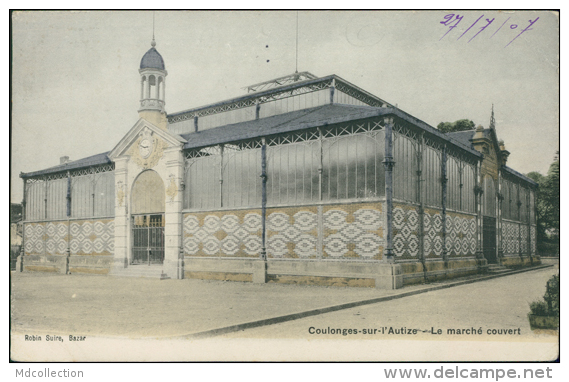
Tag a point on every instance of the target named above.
point(480, 143)
point(505, 153)
point(64, 160)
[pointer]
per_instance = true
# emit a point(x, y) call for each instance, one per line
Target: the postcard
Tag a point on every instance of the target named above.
point(309, 186)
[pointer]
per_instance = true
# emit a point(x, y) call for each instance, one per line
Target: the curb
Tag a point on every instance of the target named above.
point(334, 308)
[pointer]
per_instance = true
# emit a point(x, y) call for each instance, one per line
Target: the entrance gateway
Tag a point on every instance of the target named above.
point(147, 239)
point(147, 219)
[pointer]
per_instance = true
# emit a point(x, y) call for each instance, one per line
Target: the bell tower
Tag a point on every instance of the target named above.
point(153, 87)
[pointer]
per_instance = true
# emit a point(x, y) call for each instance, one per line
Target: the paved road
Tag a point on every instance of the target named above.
point(497, 304)
point(120, 316)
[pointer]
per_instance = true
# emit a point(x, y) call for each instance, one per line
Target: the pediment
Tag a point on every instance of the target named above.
point(145, 140)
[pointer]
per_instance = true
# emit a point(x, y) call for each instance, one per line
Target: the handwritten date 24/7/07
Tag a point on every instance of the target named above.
point(452, 20)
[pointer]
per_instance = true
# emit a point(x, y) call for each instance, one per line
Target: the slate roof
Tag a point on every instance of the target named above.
point(303, 119)
point(152, 59)
point(94, 160)
point(514, 172)
point(281, 123)
point(462, 137)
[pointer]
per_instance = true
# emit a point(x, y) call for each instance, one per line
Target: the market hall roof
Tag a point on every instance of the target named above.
point(304, 119)
point(94, 160)
point(282, 123)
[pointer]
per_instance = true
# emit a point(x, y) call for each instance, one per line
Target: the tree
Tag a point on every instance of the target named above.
point(548, 207)
point(460, 125)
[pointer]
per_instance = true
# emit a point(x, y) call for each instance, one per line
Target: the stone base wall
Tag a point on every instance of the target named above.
point(517, 261)
point(315, 272)
point(44, 263)
point(434, 270)
point(60, 264)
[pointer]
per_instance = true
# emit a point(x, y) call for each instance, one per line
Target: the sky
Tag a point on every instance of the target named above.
point(76, 86)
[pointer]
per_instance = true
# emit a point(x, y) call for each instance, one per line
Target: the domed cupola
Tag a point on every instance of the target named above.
point(152, 80)
point(152, 59)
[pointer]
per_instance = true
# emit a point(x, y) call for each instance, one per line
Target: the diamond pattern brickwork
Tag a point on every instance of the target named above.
point(92, 237)
point(460, 234)
point(56, 238)
point(533, 233)
point(510, 237)
point(292, 232)
point(223, 233)
point(405, 231)
point(353, 231)
point(34, 239)
point(524, 238)
point(86, 237)
point(433, 227)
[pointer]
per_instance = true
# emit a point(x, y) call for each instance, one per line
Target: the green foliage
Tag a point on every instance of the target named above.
point(549, 307)
point(538, 308)
point(551, 295)
point(460, 125)
point(548, 207)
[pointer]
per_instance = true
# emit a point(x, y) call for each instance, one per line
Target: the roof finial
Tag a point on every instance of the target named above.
point(492, 120)
point(296, 68)
point(153, 43)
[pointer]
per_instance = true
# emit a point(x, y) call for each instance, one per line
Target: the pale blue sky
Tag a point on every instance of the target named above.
point(76, 84)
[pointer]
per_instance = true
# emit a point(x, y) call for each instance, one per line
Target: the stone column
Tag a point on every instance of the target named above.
point(173, 228)
point(122, 224)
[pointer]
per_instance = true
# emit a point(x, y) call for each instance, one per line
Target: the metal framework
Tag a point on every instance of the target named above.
point(253, 101)
point(285, 80)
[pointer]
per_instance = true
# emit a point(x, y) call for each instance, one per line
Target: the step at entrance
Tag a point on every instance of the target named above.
point(495, 269)
point(148, 271)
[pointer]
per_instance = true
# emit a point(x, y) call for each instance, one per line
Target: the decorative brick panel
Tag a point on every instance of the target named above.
point(460, 234)
point(405, 231)
point(510, 238)
point(353, 231)
point(533, 233)
point(292, 232)
point(223, 233)
point(86, 237)
point(92, 237)
point(433, 226)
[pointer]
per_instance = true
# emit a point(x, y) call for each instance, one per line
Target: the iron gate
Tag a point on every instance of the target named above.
point(147, 239)
point(489, 239)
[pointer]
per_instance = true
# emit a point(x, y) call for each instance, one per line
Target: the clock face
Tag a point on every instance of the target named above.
point(145, 147)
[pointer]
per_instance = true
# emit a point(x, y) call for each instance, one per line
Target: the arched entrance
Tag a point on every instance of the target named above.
point(147, 214)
